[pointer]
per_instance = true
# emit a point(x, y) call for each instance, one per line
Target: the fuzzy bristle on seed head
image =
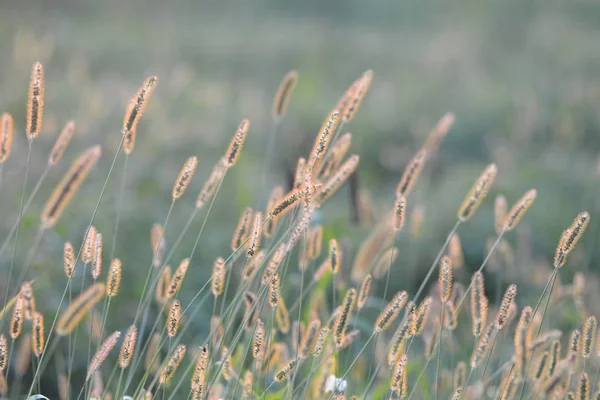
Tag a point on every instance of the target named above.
point(356, 96)
point(177, 279)
point(521, 341)
point(199, 375)
point(35, 102)
point(162, 285)
point(157, 241)
point(172, 364)
point(570, 237)
point(236, 144)
point(69, 184)
point(282, 97)
point(134, 112)
point(61, 143)
point(69, 259)
point(477, 193)
point(390, 312)
point(89, 245)
point(217, 283)
point(507, 301)
point(286, 371)
point(411, 173)
point(184, 177)
point(102, 353)
point(174, 317)
point(212, 183)
point(574, 343)
point(363, 292)
point(322, 141)
point(16, 322)
point(128, 347)
point(422, 314)
point(445, 279)
point(284, 204)
point(309, 339)
point(6, 136)
point(96, 267)
point(456, 252)
point(399, 212)
point(258, 341)
point(274, 290)
point(255, 235)
point(398, 383)
point(114, 278)
point(341, 322)
point(26, 293)
point(282, 316)
point(589, 336)
point(479, 304)
point(38, 339)
point(516, 213)
point(79, 308)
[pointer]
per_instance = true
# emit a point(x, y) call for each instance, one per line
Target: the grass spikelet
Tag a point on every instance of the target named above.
point(570, 237)
point(151, 363)
point(69, 259)
point(399, 212)
point(286, 371)
point(322, 141)
point(6, 136)
point(341, 323)
point(236, 144)
point(61, 143)
point(445, 279)
point(89, 245)
point(517, 212)
point(35, 102)
point(385, 262)
point(309, 339)
point(79, 308)
point(3, 351)
point(574, 344)
point(589, 336)
point(37, 334)
point(162, 286)
point(398, 383)
point(258, 341)
point(255, 235)
point(460, 375)
point(169, 369)
point(335, 256)
point(184, 177)
point(212, 183)
point(134, 112)
point(477, 193)
point(114, 278)
point(422, 314)
point(483, 345)
point(217, 284)
point(28, 300)
point(320, 342)
point(583, 387)
point(363, 292)
point(479, 304)
point(64, 191)
point(128, 347)
point(251, 311)
point(411, 173)
point(355, 98)
point(16, 322)
point(390, 312)
point(102, 353)
point(242, 229)
point(96, 267)
point(282, 316)
point(507, 301)
point(226, 364)
point(521, 341)
point(177, 279)
point(274, 290)
point(284, 92)
point(439, 132)
point(500, 212)
point(285, 204)
point(174, 317)
point(510, 384)
point(157, 241)
point(253, 265)
point(199, 375)
point(338, 178)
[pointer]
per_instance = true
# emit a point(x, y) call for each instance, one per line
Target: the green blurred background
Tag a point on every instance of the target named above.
point(522, 78)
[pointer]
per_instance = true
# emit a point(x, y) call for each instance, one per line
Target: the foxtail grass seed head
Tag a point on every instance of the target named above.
point(589, 336)
point(283, 95)
point(37, 334)
point(422, 314)
point(226, 364)
point(134, 112)
point(335, 256)
point(157, 240)
point(517, 212)
point(510, 386)
point(61, 143)
point(199, 376)
point(285, 204)
point(69, 259)
point(398, 383)
point(574, 343)
point(363, 292)
point(114, 278)
point(286, 371)
point(96, 267)
point(355, 98)
point(583, 387)
point(6, 136)
point(337, 179)
point(507, 301)
point(320, 343)
point(570, 237)
point(174, 317)
point(28, 300)
point(242, 229)
point(274, 290)
point(3, 352)
point(35, 102)
point(237, 142)
point(258, 341)
point(79, 308)
point(341, 323)
point(399, 212)
point(439, 132)
point(89, 245)
point(477, 193)
point(456, 253)
point(255, 235)
point(521, 341)
point(64, 191)
point(217, 284)
point(163, 284)
point(479, 304)
point(322, 141)
point(411, 173)
point(309, 339)
point(483, 344)
point(184, 177)
point(102, 353)
point(16, 322)
point(128, 347)
point(253, 265)
point(390, 312)
point(169, 369)
point(212, 183)
point(251, 314)
point(445, 279)
point(177, 279)
point(500, 212)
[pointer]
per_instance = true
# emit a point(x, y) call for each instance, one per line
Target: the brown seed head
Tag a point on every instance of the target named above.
point(61, 143)
point(390, 312)
point(134, 112)
point(114, 278)
point(517, 212)
point(445, 279)
point(242, 229)
point(570, 237)
point(411, 173)
point(128, 347)
point(102, 353)
point(96, 267)
point(79, 308)
point(172, 364)
point(399, 212)
point(174, 317)
point(177, 279)
point(284, 92)
point(363, 292)
point(218, 277)
point(477, 193)
point(184, 177)
point(255, 235)
point(507, 301)
point(16, 323)
point(341, 322)
point(69, 259)
point(35, 102)
point(355, 98)
point(237, 142)
point(3, 351)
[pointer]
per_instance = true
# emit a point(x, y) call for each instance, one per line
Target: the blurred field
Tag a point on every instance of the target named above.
point(521, 77)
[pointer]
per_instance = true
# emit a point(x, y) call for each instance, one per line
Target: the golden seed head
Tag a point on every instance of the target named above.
point(390, 312)
point(439, 132)
point(169, 369)
point(102, 353)
point(355, 98)
point(128, 347)
point(96, 268)
point(199, 376)
point(583, 387)
point(322, 141)
point(237, 142)
point(286, 371)
point(185, 176)
point(483, 344)
point(61, 143)
point(174, 317)
point(3, 351)
point(226, 364)
point(309, 339)
point(456, 253)
point(37, 334)
point(282, 316)
point(79, 308)
point(218, 277)
point(477, 193)
point(89, 245)
point(521, 341)
point(175, 283)
point(255, 235)
point(35, 102)
point(505, 305)
point(422, 314)
point(274, 290)
point(574, 342)
point(479, 303)
point(134, 112)
point(253, 265)
point(445, 279)
point(212, 183)
point(6, 136)
point(114, 278)
point(399, 212)
point(341, 323)
point(26, 294)
point(162, 285)
point(365, 289)
point(337, 179)
point(517, 212)
point(16, 323)
point(411, 173)
point(69, 259)
point(398, 383)
point(283, 95)
point(242, 229)
point(258, 342)
point(570, 237)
